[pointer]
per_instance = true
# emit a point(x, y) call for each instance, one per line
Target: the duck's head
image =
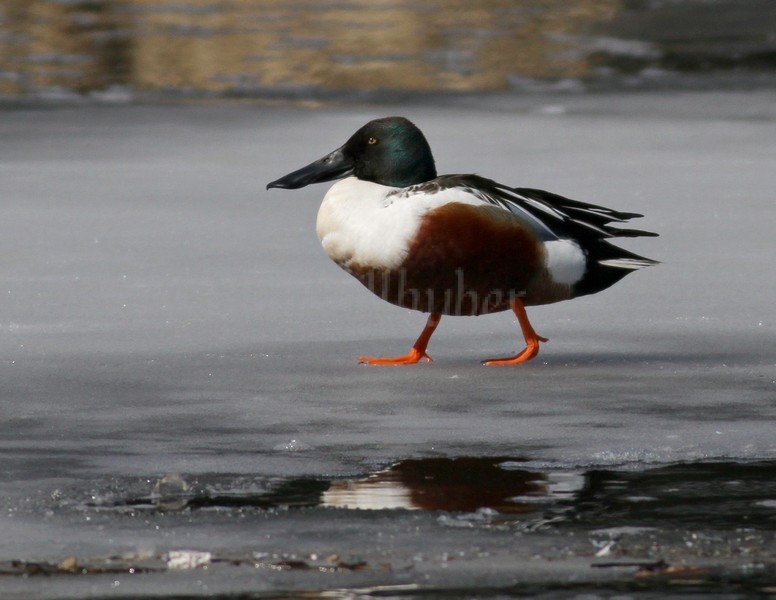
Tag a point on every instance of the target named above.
point(389, 151)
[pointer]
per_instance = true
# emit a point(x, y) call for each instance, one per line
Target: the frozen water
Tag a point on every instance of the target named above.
point(162, 314)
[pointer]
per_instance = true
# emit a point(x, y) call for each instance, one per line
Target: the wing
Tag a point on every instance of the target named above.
point(552, 216)
point(472, 189)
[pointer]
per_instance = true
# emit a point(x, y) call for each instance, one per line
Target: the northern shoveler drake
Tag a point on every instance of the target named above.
point(456, 244)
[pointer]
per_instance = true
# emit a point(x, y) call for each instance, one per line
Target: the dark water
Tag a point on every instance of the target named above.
point(724, 495)
point(115, 49)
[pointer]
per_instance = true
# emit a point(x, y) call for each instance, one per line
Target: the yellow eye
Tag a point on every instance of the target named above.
point(372, 141)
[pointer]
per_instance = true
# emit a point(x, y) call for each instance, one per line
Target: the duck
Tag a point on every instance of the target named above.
point(458, 245)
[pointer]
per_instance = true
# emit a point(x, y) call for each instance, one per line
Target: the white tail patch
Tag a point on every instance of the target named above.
point(627, 263)
point(565, 261)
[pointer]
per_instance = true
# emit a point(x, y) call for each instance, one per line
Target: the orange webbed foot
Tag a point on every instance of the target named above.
point(414, 356)
point(530, 351)
point(532, 340)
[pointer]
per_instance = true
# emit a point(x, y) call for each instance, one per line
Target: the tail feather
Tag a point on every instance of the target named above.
point(631, 264)
point(606, 265)
point(616, 232)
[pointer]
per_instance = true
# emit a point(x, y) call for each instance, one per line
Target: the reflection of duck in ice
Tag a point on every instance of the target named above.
point(457, 244)
point(448, 484)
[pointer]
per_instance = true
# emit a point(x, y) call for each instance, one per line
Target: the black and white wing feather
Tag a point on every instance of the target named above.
point(565, 217)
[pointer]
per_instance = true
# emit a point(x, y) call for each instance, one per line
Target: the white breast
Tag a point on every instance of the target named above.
point(370, 225)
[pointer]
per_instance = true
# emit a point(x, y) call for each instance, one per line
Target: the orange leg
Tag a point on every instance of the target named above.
point(418, 351)
point(531, 339)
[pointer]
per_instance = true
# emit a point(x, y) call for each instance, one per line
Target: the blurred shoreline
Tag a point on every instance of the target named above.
point(123, 51)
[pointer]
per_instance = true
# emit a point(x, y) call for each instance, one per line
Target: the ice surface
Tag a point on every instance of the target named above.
point(162, 314)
